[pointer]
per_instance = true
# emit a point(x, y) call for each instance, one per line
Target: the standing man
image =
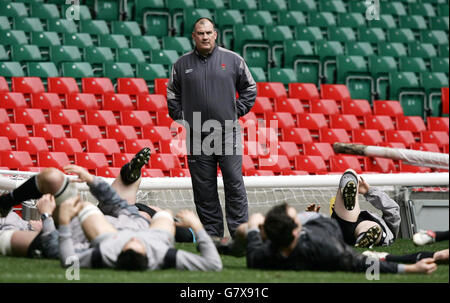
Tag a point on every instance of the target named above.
point(202, 92)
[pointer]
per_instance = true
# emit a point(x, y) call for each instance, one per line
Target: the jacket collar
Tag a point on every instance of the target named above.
point(210, 54)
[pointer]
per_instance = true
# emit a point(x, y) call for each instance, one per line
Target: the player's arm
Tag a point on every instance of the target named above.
point(174, 96)
point(246, 88)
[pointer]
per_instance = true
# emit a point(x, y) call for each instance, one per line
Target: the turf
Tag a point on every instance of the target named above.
point(21, 270)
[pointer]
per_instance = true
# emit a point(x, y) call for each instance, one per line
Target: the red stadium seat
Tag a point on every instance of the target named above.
point(272, 90)
point(429, 147)
point(105, 146)
point(97, 86)
point(259, 172)
point(81, 101)
point(29, 116)
point(62, 85)
point(322, 149)
point(331, 135)
point(381, 165)
point(288, 149)
point(294, 173)
point(132, 86)
point(262, 105)
point(133, 146)
point(445, 100)
point(338, 92)
point(157, 133)
point(3, 85)
point(32, 145)
point(49, 131)
point(27, 85)
point(46, 101)
point(12, 100)
point(289, 105)
point(312, 121)
point(152, 173)
point(405, 168)
point(152, 103)
point(91, 161)
point(387, 108)
point(4, 118)
point(138, 118)
point(311, 164)
point(117, 102)
point(100, 118)
point(381, 123)
point(85, 132)
point(247, 164)
point(367, 137)
point(303, 91)
point(438, 124)
point(13, 130)
point(120, 159)
point(357, 107)
point(5, 145)
point(65, 117)
point(163, 119)
point(280, 120)
point(437, 137)
point(161, 86)
point(275, 163)
point(165, 162)
point(393, 145)
point(340, 163)
point(180, 173)
point(266, 135)
point(175, 147)
point(297, 135)
point(254, 149)
point(411, 123)
point(15, 159)
point(70, 146)
point(108, 172)
point(347, 122)
point(404, 136)
point(53, 159)
point(121, 132)
point(324, 106)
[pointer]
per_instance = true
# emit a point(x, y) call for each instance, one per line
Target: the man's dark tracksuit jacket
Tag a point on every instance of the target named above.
point(208, 86)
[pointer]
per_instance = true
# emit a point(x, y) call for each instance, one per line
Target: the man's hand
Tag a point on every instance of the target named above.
point(83, 174)
point(424, 266)
point(313, 208)
point(256, 221)
point(69, 209)
point(36, 225)
point(363, 186)
point(187, 218)
point(46, 204)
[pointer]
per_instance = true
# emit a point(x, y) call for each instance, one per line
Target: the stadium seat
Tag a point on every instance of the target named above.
point(303, 91)
point(10, 100)
point(338, 92)
point(438, 124)
point(85, 132)
point(404, 136)
point(151, 72)
point(13, 130)
point(341, 34)
point(126, 28)
point(82, 40)
point(69, 146)
point(116, 70)
point(44, 10)
point(439, 23)
point(355, 48)
point(324, 106)
point(432, 84)
point(5, 145)
point(105, 146)
point(312, 121)
point(289, 105)
point(322, 149)
point(65, 117)
point(262, 105)
point(271, 90)
point(413, 22)
point(311, 164)
point(353, 71)
point(113, 41)
point(29, 116)
point(277, 164)
point(347, 122)
point(120, 159)
point(63, 26)
point(380, 67)
point(32, 145)
point(291, 18)
point(152, 173)
point(381, 123)
point(77, 70)
point(415, 65)
point(4, 87)
point(439, 65)
point(96, 55)
point(401, 35)
point(137, 118)
point(62, 85)
point(52, 159)
point(25, 53)
point(145, 43)
point(438, 137)
point(297, 135)
point(133, 146)
point(13, 37)
point(27, 85)
point(49, 131)
point(42, 70)
point(322, 19)
point(13, 9)
point(372, 35)
point(160, 86)
point(107, 10)
point(100, 118)
point(367, 137)
point(165, 162)
point(15, 159)
point(340, 163)
point(380, 165)
point(405, 168)
point(121, 132)
point(258, 17)
point(258, 74)
point(436, 37)
point(4, 118)
point(288, 149)
point(45, 39)
point(387, 108)
point(412, 123)
point(392, 49)
point(152, 103)
point(94, 27)
point(108, 172)
point(91, 161)
point(130, 55)
point(64, 53)
point(422, 50)
point(117, 102)
point(283, 120)
point(308, 33)
point(405, 87)
point(301, 57)
point(385, 21)
point(11, 69)
point(132, 86)
point(330, 135)
point(81, 101)
point(396, 8)
point(429, 147)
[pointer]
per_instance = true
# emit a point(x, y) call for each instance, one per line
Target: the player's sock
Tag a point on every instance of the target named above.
point(24, 192)
point(442, 236)
point(412, 258)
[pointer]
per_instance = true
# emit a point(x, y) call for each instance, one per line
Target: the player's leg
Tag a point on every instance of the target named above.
point(368, 233)
point(16, 242)
point(234, 246)
point(424, 237)
point(441, 256)
point(346, 205)
point(93, 222)
point(163, 220)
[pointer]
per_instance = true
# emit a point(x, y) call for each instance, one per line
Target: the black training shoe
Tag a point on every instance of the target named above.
point(349, 188)
point(133, 171)
point(370, 237)
point(229, 247)
point(4, 205)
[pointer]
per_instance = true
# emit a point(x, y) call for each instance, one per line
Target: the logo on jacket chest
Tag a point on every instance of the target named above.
point(188, 71)
point(223, 66)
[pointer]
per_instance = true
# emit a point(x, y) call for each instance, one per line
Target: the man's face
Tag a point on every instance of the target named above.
point(204, 36)
point(292, 212)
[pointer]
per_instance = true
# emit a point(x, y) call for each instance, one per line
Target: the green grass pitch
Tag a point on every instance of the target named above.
point(21, 270)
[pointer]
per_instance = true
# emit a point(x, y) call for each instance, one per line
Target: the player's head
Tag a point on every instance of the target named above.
point(133, 256)
point(204, 35)
point(281, 225)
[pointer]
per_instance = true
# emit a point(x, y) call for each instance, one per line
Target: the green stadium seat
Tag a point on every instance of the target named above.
point(210, 4)
point(439, 65)
point(150, 72)
point(413, 22)
point(380, 67)
point(28, 24)
point(108, 10)
point(244, 5)
point(405, 87)
point(44, 11)
point(4, 23)
point(308, 33)
point(393, 8)
point(24, 53)
point(300, 56)
point(94, 27)
point(401, 35)
point(145, 43)
point(64, 26)
point(353, 20)
point(42, 69)
point(45, 39)
point(130, 55)
point(158, 23)
point(82, 10)
point(292, 18)
point(225, 20)
point(4, 56)
point(81, 40)
point(327, 52)
point(114, 70)
point(147, 6)
point(415, 65)
point(180, 44)
point(250, 42)
point(341, 34)
point(333, 6)
point(164, 57)
point(246, 33)
point(190, 16)
point(436, 37)
point(443, 10)
point(423, 50)
point(98, 54)
point(353, 71)
point(175, 5)
point(64, 53)
point(443, 51)
point(77, 70)
point(322, 19)
point(126, 28)
point(258, 17)
point(11, 69)
point(277, 33)
point(393, 49)
point(385, 22)
point(364, 49)
point(372, 35)
point(273, 5)
point(422, 9)
point(357, 7)
point(283, 75)
point(302, 5)
point(437, 23)
point(113, 41)
point(432, 84)
point(258, 74)
point(13, 37)
point(13, 9)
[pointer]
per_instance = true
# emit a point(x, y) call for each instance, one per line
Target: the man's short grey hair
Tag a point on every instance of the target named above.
point(202, 21)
